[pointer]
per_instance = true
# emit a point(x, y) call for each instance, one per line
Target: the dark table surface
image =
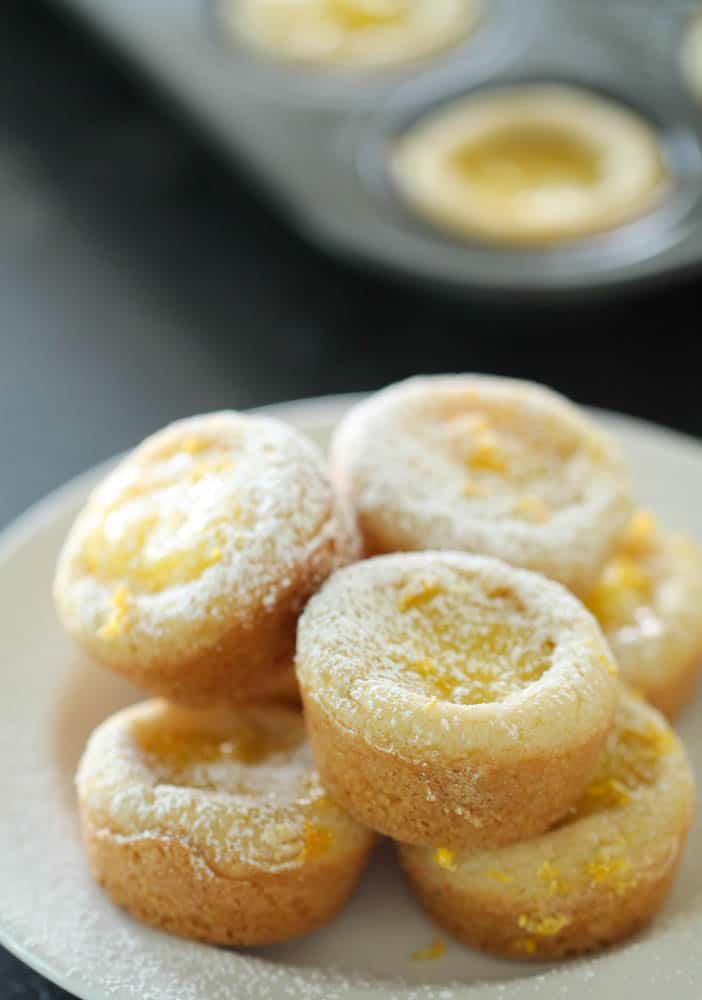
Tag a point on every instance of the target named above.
point(142, 278)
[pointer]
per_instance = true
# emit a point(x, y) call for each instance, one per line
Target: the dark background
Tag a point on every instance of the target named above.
point(141, 279)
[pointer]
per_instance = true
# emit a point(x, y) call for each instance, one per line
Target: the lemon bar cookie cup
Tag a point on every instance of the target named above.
point(488, 465)
point(598, 877)
point(648, 600)
point(212, 824)
point(453, 699)
point(189, 565)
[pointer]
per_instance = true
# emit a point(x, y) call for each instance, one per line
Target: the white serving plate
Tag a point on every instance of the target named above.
point(55, 919)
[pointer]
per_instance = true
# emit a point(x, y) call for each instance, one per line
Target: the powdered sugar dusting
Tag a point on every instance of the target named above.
point(648, 600)
point(485, 465)
point(627, 828)
point(209, 519)
point(382, 668)
point(232, 814)
point(59, 920)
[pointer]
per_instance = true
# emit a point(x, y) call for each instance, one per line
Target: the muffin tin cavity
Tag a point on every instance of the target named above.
point(347, 54)
point(320, 136)
point(531, 165)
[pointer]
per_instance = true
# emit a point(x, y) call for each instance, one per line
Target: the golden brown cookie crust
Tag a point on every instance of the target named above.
point(445, 803)
point(596, 877)
point(213, 824)
point(597, 919)
point(163, 884)
point(421, 728)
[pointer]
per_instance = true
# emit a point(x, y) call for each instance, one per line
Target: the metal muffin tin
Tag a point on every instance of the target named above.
point(319, 139)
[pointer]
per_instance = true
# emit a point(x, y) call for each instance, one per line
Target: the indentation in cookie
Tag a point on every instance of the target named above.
point(472, 647)
point(167, 519)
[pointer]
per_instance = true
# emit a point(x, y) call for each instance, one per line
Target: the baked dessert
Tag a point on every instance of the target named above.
point(691, 54)
point(452, 699)
point(648, 601)
point(530, 165)
point(488, 465)
point(212, 824)
point(349, 34)
point(189, 565)
point(599, 876)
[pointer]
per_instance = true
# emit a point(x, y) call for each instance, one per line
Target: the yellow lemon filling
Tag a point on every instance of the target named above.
point(630, 761)
point(501, 460)
point(497, 875)
point(467, 654)
point(610, 871)
point(487, 455)
point(118, 619)
point(531, 508)
point(531, 165)
point(625, 584)
point(515, 161)
point(431, 952)
point(355, 15)
point(543, 926)
point(640, 534)
point(550, 875)
point(195, 758)
point(623, 587)
point(243, 764)
point(167, 524)
point(445, 858)
point(361, 33)
point(317, 841)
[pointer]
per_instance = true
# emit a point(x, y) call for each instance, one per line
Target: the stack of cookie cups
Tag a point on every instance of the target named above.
point(202, 811)
point(475, 616)
point(469, 705)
